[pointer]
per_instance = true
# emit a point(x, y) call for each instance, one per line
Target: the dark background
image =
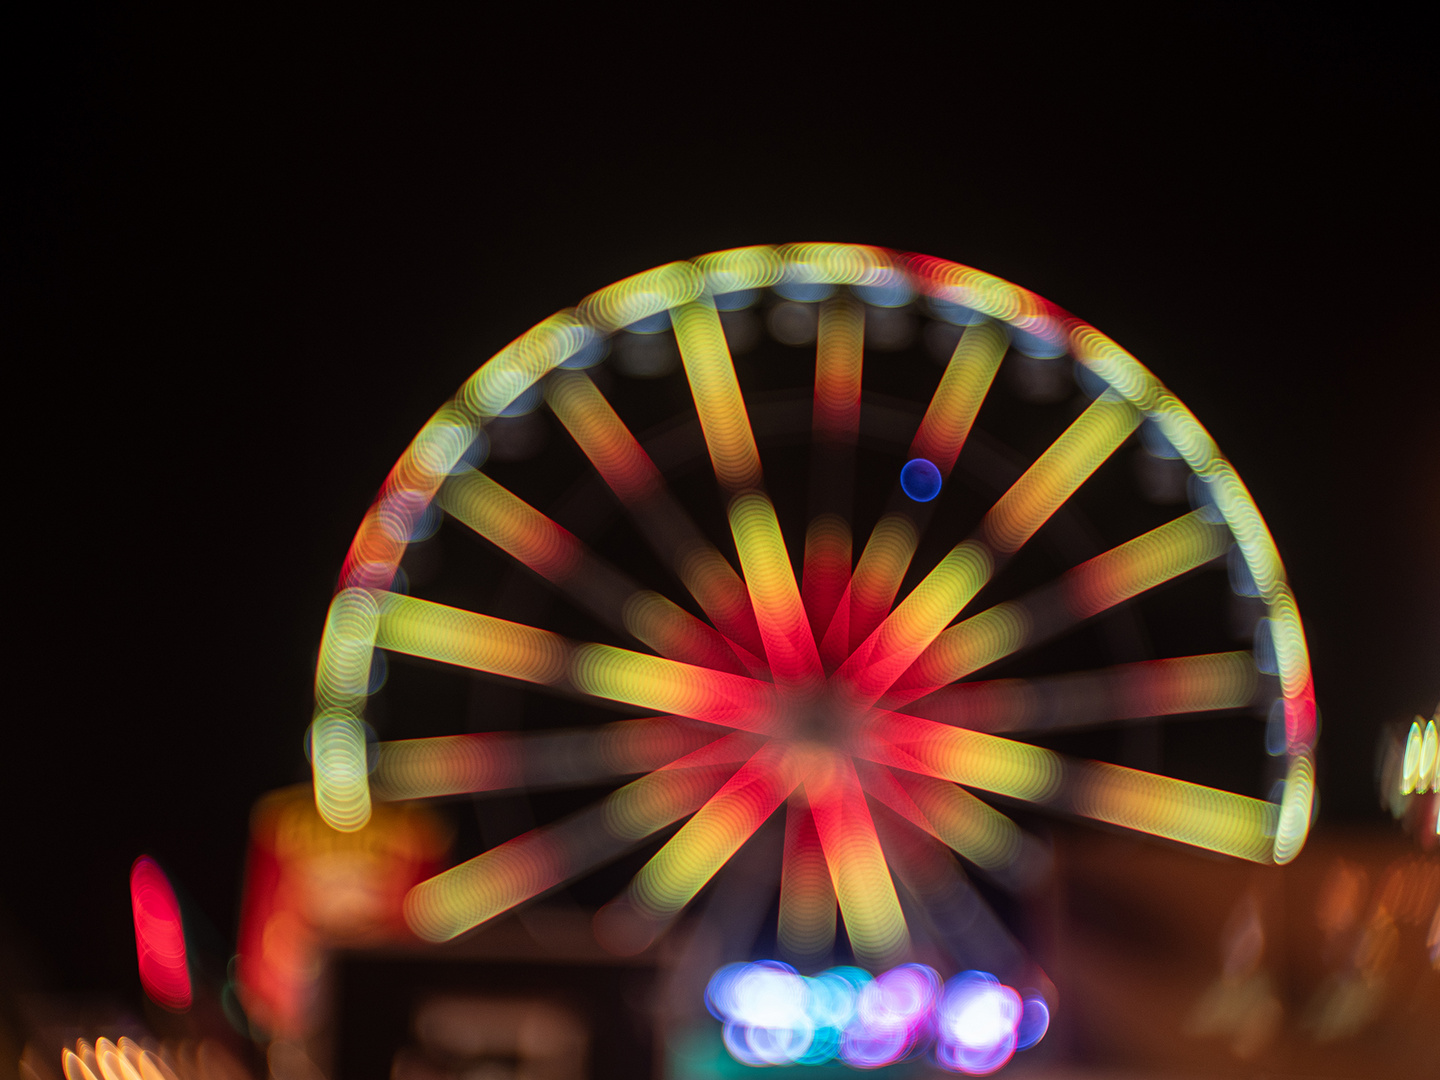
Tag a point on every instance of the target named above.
point(248, 256)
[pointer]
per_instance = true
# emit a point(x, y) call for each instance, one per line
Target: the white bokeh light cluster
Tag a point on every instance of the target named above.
point(773, 1015)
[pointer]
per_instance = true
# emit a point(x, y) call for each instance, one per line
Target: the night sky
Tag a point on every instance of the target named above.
point(247, 259)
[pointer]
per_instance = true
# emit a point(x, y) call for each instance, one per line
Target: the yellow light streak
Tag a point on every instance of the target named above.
point(676, 634)
point(858, 872)
point(972, 758)
point(1175, 809)
point(468, 639)
point(1184, 684)
point(625, 466)
point(740, 268)
point(958, 398)
point(876, 580)
point(499, 761)
point(1429, 758)
point(919, 618)
point(651, 682)
point(534, 539)
point(716, 391)
point(1148, 560)
point(511, 524)
point(1110, 578)
point(1410, 764)
point(1159, 805)
point(806, 926)
point(1066, 464)
point(522, 363)
point(838, 359)
point(602, 436)
point(966, 647)
point(708, 840)
point(968, 826)
point(492, 883)
point(664, 796)
point(499, 647)
point(784, 628)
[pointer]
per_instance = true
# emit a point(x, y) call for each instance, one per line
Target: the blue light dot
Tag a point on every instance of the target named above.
point(920, 479)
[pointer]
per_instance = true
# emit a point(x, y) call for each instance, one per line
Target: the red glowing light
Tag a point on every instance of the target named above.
point(159, 936)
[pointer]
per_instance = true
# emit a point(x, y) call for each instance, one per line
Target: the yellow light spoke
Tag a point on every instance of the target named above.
point(1174, 809)
point(806, 926)
point(891, 546)
point(708, 840)
point(490, 884)
point(502, 760)
point(471, 640)
point(858, 871)
point(512, 524)
point(1066, 464)
point(919, 618)
point(958, 398)
point(875, 582)
point(677, 789)
point(602, 436)
point(970, 827)
point(716, 391)
point(839, 358)
point(625, 466)
point(650, 682)
point(1148, 560)
point(1117, 575)
point(972, 758)
point(514, 650)
point(552, 551)
point(1183, 684)
point(784, 628)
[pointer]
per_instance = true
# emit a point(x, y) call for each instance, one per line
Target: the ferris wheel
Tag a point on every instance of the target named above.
point(859, 547)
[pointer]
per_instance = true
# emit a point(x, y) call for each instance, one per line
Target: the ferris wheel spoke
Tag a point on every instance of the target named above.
point(532, 538)
point(513, 650)
point(1056, 474)
point(1182, 684)
point(969, 827)
point(463, 897)
point(1145, 802)
point(704, 844)
point(956, 401)
point(939, 439)
point(784, 628)
point(1087, 590)
point(839, 361)
point(861, 879)
point(806, 926)
point(919, 619)
point(628, 471)
point(774, 594)
point(508, 761)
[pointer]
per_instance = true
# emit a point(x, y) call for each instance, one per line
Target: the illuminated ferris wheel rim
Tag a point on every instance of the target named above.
point(688, 290)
